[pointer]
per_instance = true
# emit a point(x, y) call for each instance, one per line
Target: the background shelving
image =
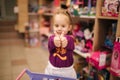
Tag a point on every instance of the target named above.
point(32, 26)
point(101, 27)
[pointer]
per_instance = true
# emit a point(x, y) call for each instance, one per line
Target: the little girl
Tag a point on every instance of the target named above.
point(61, 46)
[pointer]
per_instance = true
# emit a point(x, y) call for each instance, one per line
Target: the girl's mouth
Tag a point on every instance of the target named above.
point(59, 32)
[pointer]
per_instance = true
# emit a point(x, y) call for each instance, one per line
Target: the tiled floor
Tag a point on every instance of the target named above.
point(14, 57)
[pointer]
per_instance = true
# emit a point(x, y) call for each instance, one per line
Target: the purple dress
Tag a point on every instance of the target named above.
point(61, 57)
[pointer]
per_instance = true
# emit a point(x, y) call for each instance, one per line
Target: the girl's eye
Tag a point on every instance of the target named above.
point(56, 25)
point(63, 26)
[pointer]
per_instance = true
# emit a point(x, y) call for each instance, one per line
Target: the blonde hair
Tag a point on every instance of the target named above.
point(64, 12)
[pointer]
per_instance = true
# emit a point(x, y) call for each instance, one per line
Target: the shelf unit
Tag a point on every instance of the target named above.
point(101, 23)
point(22, 15)
point(32, 25)
point(84, 55)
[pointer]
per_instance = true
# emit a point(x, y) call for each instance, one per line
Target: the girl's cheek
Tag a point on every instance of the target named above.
point(54, 29)
point(65, 32)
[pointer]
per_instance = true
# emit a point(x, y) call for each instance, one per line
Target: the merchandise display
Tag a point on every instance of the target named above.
point(98, 59)
point(83, 36)
point(96, 25)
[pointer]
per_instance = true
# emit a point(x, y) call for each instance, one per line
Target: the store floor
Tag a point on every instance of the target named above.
point(14, 57)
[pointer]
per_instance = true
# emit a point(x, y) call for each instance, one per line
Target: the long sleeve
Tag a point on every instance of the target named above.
point(70, 46)
point(51, 46)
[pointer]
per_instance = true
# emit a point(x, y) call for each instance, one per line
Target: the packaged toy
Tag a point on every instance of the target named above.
point(98, 59)
point(115, 63)
point(111, 8)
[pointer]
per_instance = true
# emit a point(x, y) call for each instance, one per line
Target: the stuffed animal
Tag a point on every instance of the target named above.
point(88, 40)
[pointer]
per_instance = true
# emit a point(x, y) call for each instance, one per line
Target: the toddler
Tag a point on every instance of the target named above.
point(61, 46)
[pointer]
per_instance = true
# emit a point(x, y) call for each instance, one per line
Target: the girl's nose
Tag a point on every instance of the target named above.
point(59, 28)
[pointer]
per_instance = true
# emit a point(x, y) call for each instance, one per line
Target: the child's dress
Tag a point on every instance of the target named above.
point(61, 59)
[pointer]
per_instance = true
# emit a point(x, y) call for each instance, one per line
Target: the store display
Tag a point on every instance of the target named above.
point(101, 27)
point(83, 36)
point(98, 59)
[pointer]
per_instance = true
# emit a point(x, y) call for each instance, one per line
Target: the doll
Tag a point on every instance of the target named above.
point(87, 40)
point(61, 46)
point(77, 32)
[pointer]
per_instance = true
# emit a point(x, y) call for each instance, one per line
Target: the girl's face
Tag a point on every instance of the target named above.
point(61, 24)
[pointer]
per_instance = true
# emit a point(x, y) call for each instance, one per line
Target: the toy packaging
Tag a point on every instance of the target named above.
point(98, 59)
point(115, 63)
point(111, 8)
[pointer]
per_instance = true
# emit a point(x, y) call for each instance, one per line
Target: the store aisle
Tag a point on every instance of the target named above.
point(14, 57)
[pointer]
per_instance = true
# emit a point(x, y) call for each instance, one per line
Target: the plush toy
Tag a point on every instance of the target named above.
point(93, 12)
point(88, 40)
point(84, 11)
point(76, 9)
point(77, 30)
point(84, 43)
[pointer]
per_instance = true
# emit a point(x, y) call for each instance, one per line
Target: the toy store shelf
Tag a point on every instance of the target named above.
point(84, 55)
point(88, 17)
point(105, 17)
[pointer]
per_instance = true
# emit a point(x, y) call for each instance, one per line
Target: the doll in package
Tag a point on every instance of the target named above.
point(111, 8)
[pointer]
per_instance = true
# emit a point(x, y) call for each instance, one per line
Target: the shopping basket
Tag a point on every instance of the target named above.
point(39, 76)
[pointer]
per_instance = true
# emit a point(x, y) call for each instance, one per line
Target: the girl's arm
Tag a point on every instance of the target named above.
point(51, 45)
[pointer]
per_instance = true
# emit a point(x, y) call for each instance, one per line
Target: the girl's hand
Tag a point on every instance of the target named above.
point(57, 40)
point(64, 41)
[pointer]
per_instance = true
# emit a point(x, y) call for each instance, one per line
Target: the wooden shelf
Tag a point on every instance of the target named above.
point(105, 17)
point(84, 55)
point(88, 17)
point(100, 28)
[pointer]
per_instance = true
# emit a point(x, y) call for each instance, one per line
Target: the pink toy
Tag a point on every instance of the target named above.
point(80, 2)
point(115, 63)
point(56, 3)
point(98, 59)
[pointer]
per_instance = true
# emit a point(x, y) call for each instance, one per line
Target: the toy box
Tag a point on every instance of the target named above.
point(115, 63)
point(98, 59)
point(111, 8)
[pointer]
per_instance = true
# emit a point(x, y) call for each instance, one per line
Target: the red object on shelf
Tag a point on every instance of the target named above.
point(80, 2)
point(56, 3)
point(98, 59)
point(115, 62)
